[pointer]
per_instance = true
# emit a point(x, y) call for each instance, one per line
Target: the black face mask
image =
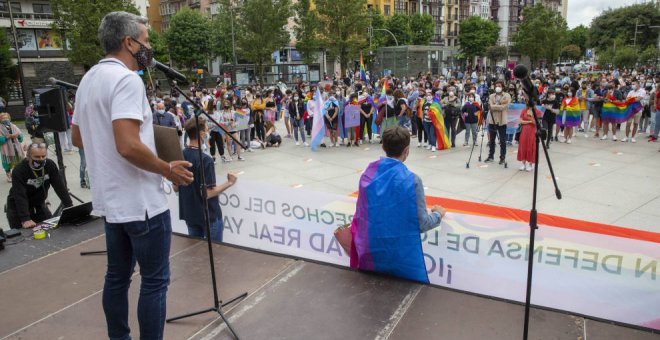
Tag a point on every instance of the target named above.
point(144, 56)
point(37, 164)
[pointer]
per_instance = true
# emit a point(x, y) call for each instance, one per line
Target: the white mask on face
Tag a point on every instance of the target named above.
point(451, 94)
point(570, 94)
point(498, 89)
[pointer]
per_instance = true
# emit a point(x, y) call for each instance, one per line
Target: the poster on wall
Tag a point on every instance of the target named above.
point(48, 40)
point(26, 40)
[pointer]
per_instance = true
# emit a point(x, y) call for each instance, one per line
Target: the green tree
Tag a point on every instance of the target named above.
point(578, 36)
point(625, 57)
point(343, 27)
point(421, 26)
point(263, 30)
point(495, 53)
point(159, 45)
point(6, 64)
point(378, 38)
point(541, 33)
point(221, 31)
point(189, 39)
point(649, 56)
point(571, 52)
point(476, 34)
point(79, 20)
point(399, 25)
point(306, 30)
point(620, 22)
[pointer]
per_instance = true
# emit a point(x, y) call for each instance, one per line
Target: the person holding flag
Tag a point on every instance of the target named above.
point(331, 116)
point(315, 109)
point(363, 72)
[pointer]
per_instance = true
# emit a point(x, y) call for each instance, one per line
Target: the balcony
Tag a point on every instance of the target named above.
point(31, 16)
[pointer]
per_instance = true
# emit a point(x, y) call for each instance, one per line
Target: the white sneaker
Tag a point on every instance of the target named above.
point(529, 168)
point(522, 167)
point(249, 150)
point(297, 143)
point(419, 145)
point(586, 135)
point(428, 147)
point(433, 149)
point(614, 138)
point(306, 144)
point(569, 141)
point(633, 140)
point(625, 139)
point(604, 137)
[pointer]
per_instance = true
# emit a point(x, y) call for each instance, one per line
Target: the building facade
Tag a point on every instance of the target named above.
point(508, 14)
point(385, 7)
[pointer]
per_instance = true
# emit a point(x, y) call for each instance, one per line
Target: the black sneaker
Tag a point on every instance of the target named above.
point(501, 161)
point(489, 160)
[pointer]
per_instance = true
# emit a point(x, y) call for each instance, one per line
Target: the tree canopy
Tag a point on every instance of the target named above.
point(571, 52)
point(578, 36)
point(421, 27)
point(496, 53)
point(306, 29)
point(399, 25)
point(541, 33)
point(620, 22)
point(5, 64)
point(189, 39)
point(476, 34)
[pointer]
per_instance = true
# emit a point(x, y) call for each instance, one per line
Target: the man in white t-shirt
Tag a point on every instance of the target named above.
point(113, 122)
point(638, 93)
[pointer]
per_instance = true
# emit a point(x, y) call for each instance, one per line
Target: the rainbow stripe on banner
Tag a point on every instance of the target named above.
point(569, 113)
point(619, 111)
point(363, 72)
point(438, 120)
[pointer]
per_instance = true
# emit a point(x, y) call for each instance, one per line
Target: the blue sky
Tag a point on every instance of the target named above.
point(583, 11)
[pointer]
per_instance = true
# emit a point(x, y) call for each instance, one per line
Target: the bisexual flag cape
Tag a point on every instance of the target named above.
point(619, 111)
point(569, 113)
point(385, 227)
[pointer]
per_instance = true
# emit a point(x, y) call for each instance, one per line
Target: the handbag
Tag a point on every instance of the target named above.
point(380, 115)
point(344, 237)
point(517, 136)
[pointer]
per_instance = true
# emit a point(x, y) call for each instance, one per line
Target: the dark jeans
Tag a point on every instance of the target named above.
point(216, 139)
point(37, 214)
point(148, 244)
point(308, 126)
point(298, 126)
point(200, 231)
point(450, 122)
point(259, 128)
point(430, 133)
point(421, 130)
point(500, 132)
point(365, 123)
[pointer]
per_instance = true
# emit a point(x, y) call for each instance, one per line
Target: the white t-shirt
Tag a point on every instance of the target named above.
point(637, 93)
point(121, 191)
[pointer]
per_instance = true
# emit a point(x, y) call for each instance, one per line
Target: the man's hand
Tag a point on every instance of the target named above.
point(179, 174)
point(440, 210)
point(29, 224)
point(231, 178)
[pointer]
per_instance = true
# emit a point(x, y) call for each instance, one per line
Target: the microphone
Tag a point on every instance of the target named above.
point(58, 82)
point(522, 74)
point(170, 72)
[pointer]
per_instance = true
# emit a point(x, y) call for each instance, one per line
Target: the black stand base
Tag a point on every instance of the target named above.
point(217, 309)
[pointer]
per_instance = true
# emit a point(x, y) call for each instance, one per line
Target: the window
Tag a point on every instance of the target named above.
point(3, 6)
point(16, 7)
point(386, 10)
point(41, 8)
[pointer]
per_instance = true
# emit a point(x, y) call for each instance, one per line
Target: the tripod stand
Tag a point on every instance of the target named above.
point(532, 93)
point(217, 304)
point(481, 127)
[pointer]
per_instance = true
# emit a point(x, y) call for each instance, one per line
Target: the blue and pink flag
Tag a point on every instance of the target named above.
point(385, 227)
point(318, 124)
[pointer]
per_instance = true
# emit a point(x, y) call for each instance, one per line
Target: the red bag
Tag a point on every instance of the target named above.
point(380, 115)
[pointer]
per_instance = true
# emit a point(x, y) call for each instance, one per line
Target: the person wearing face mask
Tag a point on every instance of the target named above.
point(10, 144)
point(569, 115)
point(497, 119)
point(228, 120)
point(331, 118)
point(451, 106)
point(114, 124)
point(637, 93)
point(245, 132)
point(31, 180)
point(258, 107)
point(469, 115)
point(285, 112)
point(387, 109)
point(585, 97)
point(162, 117)
point(297, 112)
point(599, 96)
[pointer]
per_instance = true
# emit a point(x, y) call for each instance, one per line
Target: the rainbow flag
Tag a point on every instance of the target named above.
point(619, 111)
point(383, 93)
point(385, 227)
point(569, 113)
point(438, 120)
point(318, 124)
point(363, 73)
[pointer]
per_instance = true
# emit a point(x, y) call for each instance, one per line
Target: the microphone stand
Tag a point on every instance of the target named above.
point(532, 94)
point(217, 304)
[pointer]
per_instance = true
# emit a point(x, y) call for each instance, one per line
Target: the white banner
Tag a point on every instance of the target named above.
point(601, 271)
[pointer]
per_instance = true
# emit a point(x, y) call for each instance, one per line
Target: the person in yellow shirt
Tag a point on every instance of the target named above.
point(585, 97)
point(257, 108)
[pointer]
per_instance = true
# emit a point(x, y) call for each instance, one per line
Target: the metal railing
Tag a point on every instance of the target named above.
point(33, 16)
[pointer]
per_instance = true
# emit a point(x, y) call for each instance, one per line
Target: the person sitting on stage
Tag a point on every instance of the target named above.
point(31, 179)
point(190, 201)
point(391, 213)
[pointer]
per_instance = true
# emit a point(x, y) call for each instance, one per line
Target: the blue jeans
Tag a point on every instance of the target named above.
point(83, 166)
point(298, 125)
point(403, 121)
point(200, 232)
point(148, 243)
point(429, 129)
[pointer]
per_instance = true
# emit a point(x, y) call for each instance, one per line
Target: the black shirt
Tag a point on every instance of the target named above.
point(29, 188)
point(470, 111)
point(397, 107)
point(190, 200)
point(366, 107)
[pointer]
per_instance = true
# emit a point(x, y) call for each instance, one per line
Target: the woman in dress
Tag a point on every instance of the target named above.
point(527, 140)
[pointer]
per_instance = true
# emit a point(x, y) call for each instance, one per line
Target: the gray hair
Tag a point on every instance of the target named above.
point(116, 26)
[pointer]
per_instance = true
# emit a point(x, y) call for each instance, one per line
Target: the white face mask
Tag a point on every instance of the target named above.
point(390, 98)
point(570, 94)
point(295, 98)
point(498, 89)
point(451, 94)
point(473, 91)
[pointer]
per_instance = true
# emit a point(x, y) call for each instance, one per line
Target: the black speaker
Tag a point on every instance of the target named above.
point(49, 103)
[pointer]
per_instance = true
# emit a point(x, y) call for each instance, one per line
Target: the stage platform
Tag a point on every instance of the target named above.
point(50, 292)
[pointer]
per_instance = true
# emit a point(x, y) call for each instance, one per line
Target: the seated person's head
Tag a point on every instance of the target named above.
point(191, 128)
point(36, 154)
point(396, 143)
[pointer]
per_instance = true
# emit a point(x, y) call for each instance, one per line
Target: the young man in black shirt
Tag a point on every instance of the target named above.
point(190, 200)
point(31, 179)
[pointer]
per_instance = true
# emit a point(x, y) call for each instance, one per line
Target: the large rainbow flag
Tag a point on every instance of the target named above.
point(569, 113)
point(619, 111)
point(318, 125)
point(363, 72)
point(438, 120)
point(383, 93)
point(385, 227)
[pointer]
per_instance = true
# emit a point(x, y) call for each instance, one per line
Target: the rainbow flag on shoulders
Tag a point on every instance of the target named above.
point(569, 113)
point(318, 124)
point(385, 227)
point(438, 120)
point(619, 111)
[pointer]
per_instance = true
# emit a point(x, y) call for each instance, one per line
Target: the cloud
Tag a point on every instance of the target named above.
point(581, 12)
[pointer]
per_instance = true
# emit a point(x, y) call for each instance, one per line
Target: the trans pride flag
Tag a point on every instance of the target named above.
point(385, 227)
point(569, 113)
point(619, 111)
point(438, 120)
point(318, 124)
point(363, 73)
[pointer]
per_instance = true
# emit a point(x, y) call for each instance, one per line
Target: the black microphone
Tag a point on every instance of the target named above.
point(58, 82)
point(170, 72)
point(522, 74)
